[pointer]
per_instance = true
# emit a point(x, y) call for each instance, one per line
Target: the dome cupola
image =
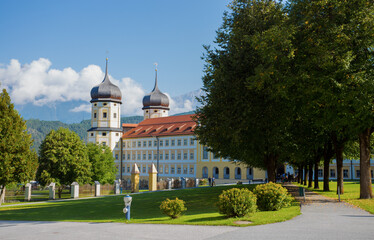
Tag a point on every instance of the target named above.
point(106, 90)
point(156, 99)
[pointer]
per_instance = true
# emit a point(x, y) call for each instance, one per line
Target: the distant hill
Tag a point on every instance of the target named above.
point(39, 129)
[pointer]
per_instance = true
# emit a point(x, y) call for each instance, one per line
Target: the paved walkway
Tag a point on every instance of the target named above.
point(321, 218)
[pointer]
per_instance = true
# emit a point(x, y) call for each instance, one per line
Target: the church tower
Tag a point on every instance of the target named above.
point(106, 100)
point(156, 103)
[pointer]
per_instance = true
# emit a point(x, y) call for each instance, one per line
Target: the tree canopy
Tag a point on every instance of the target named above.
point(18, 162)
point(102, 162)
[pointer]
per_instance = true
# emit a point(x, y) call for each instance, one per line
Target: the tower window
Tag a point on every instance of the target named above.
point(104, 115)
point(95, 104)
point(146, 111)
point(104, 143)
point(155, 111)
point(92, 134)
point(104, 104)
point(115, 115)
point(104, 134)
point(94, 115)
point(115, 104)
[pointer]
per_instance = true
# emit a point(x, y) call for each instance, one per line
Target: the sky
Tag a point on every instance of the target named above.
point(54, 52)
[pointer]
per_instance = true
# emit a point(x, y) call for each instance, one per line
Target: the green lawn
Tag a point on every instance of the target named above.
point(200, 203)
point(351, 195)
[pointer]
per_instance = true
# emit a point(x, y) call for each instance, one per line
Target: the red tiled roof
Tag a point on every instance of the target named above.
point(163, 126)
point(129, 124)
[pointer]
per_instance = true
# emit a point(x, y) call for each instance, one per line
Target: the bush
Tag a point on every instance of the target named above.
point(173, 208)
point(203, 181)
point(236, 202)
point(272, 197)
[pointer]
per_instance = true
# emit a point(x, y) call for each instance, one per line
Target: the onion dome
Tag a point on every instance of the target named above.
point(106, 90)
point(156, 99)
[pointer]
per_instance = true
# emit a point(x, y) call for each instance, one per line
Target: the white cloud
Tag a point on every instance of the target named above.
point(82, 108)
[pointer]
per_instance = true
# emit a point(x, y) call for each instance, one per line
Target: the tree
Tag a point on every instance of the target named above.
point(102, 161)
point(334, 60)
point(17, 162)
point(244, 115)
point(63, 159)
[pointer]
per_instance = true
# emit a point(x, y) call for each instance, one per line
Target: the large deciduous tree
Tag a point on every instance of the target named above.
point(102, 161)
point(244, 115)
point(17, 162)
point(63, 159)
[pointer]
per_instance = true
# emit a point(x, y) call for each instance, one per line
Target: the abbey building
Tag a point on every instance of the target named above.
point(168, 142)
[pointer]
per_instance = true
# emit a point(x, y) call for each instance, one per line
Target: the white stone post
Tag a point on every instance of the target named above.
point(116, 187)
point(196, 182)
point(97, 189)
point(28, 192)
point(52, 191)
point(74, 190)
point(169, 183)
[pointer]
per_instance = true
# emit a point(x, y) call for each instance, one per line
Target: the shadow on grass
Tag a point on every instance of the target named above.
point(207, 219)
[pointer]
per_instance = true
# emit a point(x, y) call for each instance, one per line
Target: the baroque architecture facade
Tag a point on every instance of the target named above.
point(168, 142)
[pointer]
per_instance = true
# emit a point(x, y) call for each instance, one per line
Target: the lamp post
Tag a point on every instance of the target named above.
point(127, 199)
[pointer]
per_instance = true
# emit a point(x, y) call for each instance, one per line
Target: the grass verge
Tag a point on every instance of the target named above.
point(351, 194)
point(200, 203)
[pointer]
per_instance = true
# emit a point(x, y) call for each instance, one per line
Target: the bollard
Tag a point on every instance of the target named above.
point(97, 189)
point(28, 192)
point(52, 191)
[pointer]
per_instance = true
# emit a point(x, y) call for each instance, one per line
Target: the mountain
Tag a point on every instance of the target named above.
point(40, 128)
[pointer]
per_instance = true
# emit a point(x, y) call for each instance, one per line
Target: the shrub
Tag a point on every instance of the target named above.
point(203, 181)
point(272, 197)
point(173, 208)
point(236, 202)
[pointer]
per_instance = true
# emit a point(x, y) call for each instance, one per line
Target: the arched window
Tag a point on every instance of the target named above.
point(215, 172)
point(238, 173)
point(226, 173)
point(249, 173)
point(205, 172)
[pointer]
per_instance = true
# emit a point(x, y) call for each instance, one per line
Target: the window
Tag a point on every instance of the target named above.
point(155, 143)
point(161, 170)
point(114, 115)
point(166, 170)
point(358, 173)
point(179, 170)
point(95, 104)
point(128, 156)
point(123, 169)
point(144, 170)
point(139, 143)
point(149, 156)
point(117, 134)
point(172, 156)
point(371, 171)
point(128, 169)
point(155, 156)
point(205, 172)
point(166, 156)
point(115, 104)
point(179, 156)
point(332, 173)
point(124, 157)
point(185, 156)
point(345, 173)
point(133, 157)
point(144, 156)
point(128, 144)
point(92, 134)
point(191, 156)
point(104, 104)
point(179, 142)
point(172, 142)
point(104, 143)
point(104, 114)
point(161, 143)
point(215, 156)
point(205, 153)
point(172, 170)
point(166, 143)
point(138, 156)
point(116, 156)
point(191, 170)
point(133, 144)
point(184, 170)
point(104, 134)
point(320, 173)
point(94, 115)
point(161, 156)
point(149, 143)
point(192, 141)
point(144, 143)
point(185, 142)
point(155, 110)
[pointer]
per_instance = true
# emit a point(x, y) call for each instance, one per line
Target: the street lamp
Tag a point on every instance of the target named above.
point(127, 199)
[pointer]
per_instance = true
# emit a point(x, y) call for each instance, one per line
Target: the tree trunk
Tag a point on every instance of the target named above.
point(326, 169)
point(316, 186)
point(365, 174)
point(310, 182)
point(305, 174)
point(271, 163)
point(300, 175)
point(338, 146)
point(60, 188)
point(2, 194)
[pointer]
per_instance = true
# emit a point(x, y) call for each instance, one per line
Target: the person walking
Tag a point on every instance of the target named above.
point(213, 183)
point(210, 181)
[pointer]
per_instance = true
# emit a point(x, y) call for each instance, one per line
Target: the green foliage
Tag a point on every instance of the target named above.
point(102, 162)
point(63, 159)
point(237, 202)
point(18, 162)
point(272, 197)
point(173, 208)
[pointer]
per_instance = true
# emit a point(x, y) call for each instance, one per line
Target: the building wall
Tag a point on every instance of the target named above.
point(155, 113)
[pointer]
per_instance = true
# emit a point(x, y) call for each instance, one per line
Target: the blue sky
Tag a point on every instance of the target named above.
point(132, 34)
